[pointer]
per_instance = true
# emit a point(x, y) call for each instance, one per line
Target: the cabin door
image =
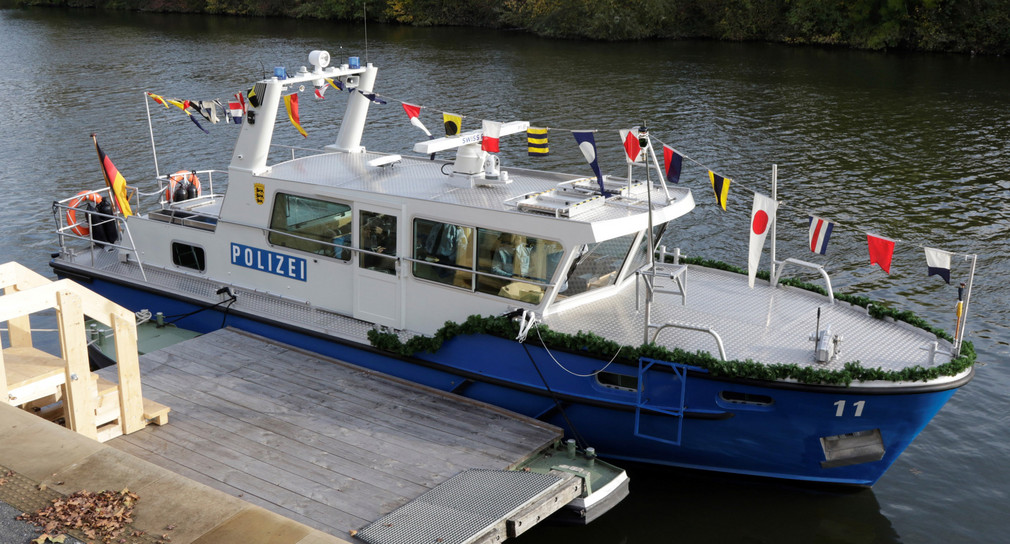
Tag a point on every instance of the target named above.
point(380, 240)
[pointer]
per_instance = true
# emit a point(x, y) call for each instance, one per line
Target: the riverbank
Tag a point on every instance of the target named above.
point(913, 25)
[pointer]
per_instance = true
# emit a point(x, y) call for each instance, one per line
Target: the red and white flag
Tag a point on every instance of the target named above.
point(762, 216)
point(414, 112)
point(492, 131)
point(631, 146)
point(881, 251)
point(235, 112)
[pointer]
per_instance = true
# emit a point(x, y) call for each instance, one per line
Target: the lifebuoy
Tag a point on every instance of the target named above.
point(182, 185)
point(87, 202)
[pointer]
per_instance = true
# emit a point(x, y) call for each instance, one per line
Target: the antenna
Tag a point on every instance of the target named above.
point(364, 15)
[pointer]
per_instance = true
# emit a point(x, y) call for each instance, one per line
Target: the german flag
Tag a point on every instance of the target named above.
point(536, 142)
point(115, 181)
point(291, 104)
point(721, 187)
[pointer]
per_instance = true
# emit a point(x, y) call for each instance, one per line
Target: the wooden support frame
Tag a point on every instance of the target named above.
point(27, 292)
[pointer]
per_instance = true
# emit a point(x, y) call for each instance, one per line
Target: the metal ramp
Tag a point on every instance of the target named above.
point(476, 506)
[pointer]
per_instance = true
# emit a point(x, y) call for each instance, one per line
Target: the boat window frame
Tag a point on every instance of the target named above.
point(477, 271)
point(338, 251)
point(201, 259)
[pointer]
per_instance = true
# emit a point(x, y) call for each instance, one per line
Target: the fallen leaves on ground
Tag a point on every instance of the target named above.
point(101, 515)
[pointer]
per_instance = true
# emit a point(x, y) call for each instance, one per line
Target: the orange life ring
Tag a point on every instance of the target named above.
point(182, 185)
point(89, 199)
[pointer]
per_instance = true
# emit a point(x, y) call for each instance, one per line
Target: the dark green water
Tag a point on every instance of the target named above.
point(907, 146)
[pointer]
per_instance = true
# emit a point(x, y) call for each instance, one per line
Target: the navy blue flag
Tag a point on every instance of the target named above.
point(674, 163)
point(587, 144)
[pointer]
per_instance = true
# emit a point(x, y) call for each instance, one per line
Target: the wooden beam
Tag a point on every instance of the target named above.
point(80, 404)
point(131, 402)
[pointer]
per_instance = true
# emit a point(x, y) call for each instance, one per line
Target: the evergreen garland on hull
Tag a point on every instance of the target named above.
point(592, 345)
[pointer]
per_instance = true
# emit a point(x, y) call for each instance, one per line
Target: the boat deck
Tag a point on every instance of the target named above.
point(764, 324)
point(326, 444)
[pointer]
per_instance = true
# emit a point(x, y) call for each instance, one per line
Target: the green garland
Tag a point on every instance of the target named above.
point(592, 345)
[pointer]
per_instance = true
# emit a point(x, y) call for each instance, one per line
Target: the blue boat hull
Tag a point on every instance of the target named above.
point(683, 418)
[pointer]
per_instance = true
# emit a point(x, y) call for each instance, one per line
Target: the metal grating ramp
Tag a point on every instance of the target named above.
point(460, 510)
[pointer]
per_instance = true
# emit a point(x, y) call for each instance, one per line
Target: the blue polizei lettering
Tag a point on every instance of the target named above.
point(268, 261)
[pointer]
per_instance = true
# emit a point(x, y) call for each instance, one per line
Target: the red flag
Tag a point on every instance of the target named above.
point(631, 146)
point(411, 110)
point(492, 131)
point(881, 251)
point(291, 104)
point(115, 181)
point(241, 100)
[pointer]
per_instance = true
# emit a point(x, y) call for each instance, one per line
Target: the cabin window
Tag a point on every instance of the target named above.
point(189, 256)
point(378, 239)
point(448, 248)
point(596, 266)
point(618, 381)
point(311, 225)
point(505, 260)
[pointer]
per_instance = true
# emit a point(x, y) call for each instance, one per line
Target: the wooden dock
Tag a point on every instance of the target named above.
point(318, 441)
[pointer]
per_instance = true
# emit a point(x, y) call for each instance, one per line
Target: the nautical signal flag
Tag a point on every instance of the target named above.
point(241, 100)
point(820, 233)
point(373, 97)
point(453, 123)
point(235, 111)
point(157, 99)
point(320, 92)
point(762, 217)
point(881, 251)
point(938, 263)
point(335, 83)
point(255, 94)
point(291, 104)
point(195, 122)
point(492, 131)
point(587, 144)
point(674, 164)
point(631, 145)
point(721, 187)
point(536, 142)
point(115, 181)
point(414, 112)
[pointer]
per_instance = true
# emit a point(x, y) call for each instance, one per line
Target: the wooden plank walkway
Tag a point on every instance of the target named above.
point(316, 440)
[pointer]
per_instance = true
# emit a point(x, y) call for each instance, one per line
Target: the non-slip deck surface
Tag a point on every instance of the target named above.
point(321, 442)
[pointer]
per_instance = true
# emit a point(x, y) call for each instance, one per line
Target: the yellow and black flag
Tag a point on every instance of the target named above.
point(536, 142)
point(721, 187)
point(453, 123)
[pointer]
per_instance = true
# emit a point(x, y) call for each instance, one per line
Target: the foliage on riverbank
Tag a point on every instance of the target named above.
point(979, 26)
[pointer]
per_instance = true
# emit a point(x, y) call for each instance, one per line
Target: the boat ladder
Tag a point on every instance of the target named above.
point(673, 389)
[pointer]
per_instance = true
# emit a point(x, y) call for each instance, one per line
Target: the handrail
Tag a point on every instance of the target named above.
point(718, 339)
point(812, 266)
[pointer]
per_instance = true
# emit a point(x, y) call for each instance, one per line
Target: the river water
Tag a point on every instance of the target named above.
point(907, 146)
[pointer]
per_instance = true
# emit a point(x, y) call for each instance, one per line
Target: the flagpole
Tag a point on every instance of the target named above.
point(775, 194)
point(659, 171)
point(964, 309)
point(150, 130)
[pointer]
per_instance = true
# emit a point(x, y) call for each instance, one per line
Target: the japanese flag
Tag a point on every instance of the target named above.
point(762, 216)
